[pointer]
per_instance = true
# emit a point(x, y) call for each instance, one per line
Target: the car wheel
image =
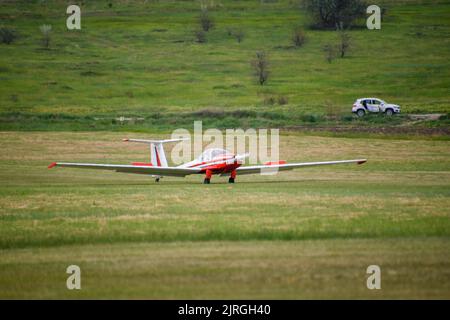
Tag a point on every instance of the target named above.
point(389, 112)
point(360, 113)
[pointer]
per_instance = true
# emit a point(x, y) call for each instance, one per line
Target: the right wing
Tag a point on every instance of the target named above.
point(273, 168)
point(159, 171)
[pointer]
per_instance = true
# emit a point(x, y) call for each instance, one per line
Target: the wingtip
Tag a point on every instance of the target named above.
point(53, 164)
point(125, 140)
point(362, 161)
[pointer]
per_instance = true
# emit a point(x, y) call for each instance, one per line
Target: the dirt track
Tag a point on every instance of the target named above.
point(375, 130)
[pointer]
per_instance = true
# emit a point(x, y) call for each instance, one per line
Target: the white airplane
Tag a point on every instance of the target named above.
point(211, 161)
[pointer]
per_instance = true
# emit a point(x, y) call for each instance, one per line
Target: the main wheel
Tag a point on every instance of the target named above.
point(360, 113)
point(231, 180)
point(207, 181)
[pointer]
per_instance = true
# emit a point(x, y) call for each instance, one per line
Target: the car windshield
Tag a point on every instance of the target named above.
point(212, 154)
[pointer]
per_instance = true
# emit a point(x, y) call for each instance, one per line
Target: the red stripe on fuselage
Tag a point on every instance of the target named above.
point(142, 164)
point(272, 163)
point(213, 160)
point(222, 167)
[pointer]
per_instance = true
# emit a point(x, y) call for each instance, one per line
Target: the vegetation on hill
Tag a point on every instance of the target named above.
point(144, 59)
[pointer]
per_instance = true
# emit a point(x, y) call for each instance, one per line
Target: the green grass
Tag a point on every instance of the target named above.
point(311, 233)
point(334, 269)
point(140, 58)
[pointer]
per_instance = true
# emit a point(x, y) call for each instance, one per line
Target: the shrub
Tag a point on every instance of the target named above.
point(269, 101)
point(7, 35)
point(328, 14)
point(347, 117)
point(243, 113)
point(46, 30)
point(261, 65)
point(282, 100)
point(200, 36)
point(239, 35)
point(14, 98)
point(298, 37)
point(330, 52)
point(310, 117)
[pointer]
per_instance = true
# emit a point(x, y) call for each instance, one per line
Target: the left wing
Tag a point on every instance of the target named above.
point(160, 171)
point(272, 168)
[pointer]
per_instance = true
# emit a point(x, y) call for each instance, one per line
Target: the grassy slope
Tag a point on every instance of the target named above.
point(140, 58)
point(392, 211)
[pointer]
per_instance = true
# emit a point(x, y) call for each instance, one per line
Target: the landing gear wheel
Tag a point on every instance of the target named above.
point(157, 180)
point(231, 180)
point(207, 181)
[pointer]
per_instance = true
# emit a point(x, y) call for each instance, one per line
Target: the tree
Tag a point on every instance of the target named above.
point(344, 42)
point(298, 37)
point(239, 35)
point(205, 19)
point(329, 14)
point(260, 65)
point(7, 35)
point(46, 29)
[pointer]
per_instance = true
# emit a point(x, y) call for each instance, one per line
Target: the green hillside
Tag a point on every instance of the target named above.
point(140, 58)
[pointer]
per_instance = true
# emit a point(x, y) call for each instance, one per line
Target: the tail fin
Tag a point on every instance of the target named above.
point(157, 154)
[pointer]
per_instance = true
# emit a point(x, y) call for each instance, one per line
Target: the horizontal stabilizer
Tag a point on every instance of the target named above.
point(154, 141)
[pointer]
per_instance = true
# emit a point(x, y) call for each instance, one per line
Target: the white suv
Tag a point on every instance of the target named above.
point(366, 105)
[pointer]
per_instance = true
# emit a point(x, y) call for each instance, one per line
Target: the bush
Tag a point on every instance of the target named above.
point(330, 52)
point(205, 20)
point(200, 36)
point(45, 30)
point(269, 101)
point(344, 43)
point(261, 65)
point(310, 117)
point(282, 100)
point(348, 118)
point(243, 113)
point(7, 35)
point(329, 14)
point(298, 37)
point(239, 35)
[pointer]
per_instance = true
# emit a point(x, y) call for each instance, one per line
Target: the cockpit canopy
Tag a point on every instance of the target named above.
point(215, 154)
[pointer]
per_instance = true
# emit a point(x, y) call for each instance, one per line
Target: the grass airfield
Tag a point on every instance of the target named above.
point(309, 233)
